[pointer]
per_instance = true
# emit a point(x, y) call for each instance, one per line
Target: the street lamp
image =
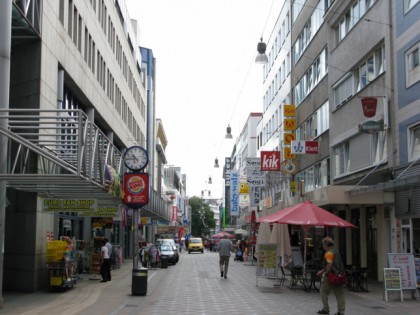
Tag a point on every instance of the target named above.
point(228, 132)
point(216, 163)
point(261, 57)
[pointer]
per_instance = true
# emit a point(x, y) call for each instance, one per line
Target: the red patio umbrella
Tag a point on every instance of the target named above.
point(305, 214)
point(222, 235)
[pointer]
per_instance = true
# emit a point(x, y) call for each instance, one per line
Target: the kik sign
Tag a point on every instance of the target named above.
point(270, 160)
point(305, 147)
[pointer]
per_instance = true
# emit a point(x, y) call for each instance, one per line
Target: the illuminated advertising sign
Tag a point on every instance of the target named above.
point(136, 189)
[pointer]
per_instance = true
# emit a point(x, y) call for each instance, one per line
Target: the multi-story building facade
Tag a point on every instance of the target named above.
point(277, 87)
point(79, 95)
point(245, 147)
point(342, 52)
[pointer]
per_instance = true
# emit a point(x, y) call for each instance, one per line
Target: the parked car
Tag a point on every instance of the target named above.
point(195, 245)
point(171, 242)
point(168, 252)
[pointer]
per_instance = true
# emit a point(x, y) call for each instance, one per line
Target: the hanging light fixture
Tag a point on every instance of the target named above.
point(216, 163)
point(228, 132)
point(209, 193)
point(262, 56)
point(210, 182)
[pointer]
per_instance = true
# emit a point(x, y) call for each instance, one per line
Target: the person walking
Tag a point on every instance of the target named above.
point(105, 266)
point(332, 263)
point(225, 248)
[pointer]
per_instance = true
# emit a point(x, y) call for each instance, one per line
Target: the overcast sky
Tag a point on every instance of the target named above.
point(206, 77)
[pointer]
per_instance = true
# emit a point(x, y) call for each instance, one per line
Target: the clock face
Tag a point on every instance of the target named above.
point(135, 158)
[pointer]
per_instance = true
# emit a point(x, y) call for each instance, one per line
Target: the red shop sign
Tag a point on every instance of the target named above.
point(270, 161)
point(369, 106)
point(136, 189)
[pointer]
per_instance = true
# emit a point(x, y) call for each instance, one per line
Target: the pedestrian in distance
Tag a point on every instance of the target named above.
point(332, 263)
point(225, 248)
point(105, 265)
point(110, 253)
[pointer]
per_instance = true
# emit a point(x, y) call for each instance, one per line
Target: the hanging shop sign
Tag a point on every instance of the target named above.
point(227, 171)
point(289, 110)
point(371, 127)
point(270, 160)
point(290, 168)
point(305, 147)
point(243, 188)
point(69, 205)
point(136, 189)
point(288, 155)
point(288, 137)
point(255, 196)
point(289, 124)
point(234, 193)
point(369, 106)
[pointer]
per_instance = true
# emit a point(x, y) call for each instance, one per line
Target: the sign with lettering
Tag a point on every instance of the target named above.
point(255, 196)
point(404, 262)
point(270, 160)
point(305, 147)
point(136, 189)
point(101, 212)
point(288, 137)
point(234, 193)
point(69, 205)
point(289, 124)
point(289, 110)
point(392, 281)
point(371, 127)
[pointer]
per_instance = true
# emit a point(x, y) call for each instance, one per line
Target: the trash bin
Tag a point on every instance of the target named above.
point(163, 262)
point(139, 281)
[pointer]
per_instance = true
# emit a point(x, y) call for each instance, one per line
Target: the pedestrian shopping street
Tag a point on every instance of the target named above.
point(194, 286)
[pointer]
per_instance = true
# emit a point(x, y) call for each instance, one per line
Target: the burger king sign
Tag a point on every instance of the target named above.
point(136, 189)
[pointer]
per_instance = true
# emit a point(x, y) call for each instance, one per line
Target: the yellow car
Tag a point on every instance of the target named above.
point(195, 245)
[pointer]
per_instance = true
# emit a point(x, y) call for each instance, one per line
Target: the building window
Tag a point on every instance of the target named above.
point(414, 142)
point(409, 4)
point(343, 91)
point(315, 176)
point(351, 17)
point(412, 66)
point(311, 78)
point(370, 68)
point(360, 152)
point(309, 30)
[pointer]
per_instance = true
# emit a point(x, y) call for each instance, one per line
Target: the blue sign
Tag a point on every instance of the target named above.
point(234, 193)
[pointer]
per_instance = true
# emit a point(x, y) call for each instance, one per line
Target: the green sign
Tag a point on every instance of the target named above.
point(371, 127)
point(69, 205)
point(101, 212)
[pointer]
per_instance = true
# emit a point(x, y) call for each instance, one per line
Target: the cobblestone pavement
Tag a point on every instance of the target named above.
point(194, 286)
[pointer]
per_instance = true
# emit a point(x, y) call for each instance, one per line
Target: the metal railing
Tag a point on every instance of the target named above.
point(60, 153)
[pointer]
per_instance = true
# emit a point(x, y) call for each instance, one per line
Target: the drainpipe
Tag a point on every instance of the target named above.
point(5, 43)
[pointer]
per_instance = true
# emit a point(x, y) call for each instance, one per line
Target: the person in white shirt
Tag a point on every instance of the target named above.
point(106, 265)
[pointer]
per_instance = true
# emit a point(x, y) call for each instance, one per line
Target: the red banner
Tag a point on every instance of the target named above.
point(174, 213)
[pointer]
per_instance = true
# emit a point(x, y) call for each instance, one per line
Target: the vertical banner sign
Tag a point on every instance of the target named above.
point(289, 110)
point(270, 160)
point(174, 213)
point(136, 189)
point(234, 193)
point(227, 171)
point(255, 196)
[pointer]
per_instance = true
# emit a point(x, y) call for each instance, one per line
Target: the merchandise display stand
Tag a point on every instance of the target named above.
point(62, 267)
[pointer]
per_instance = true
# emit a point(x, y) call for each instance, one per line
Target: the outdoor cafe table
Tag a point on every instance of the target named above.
point(311, 279)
